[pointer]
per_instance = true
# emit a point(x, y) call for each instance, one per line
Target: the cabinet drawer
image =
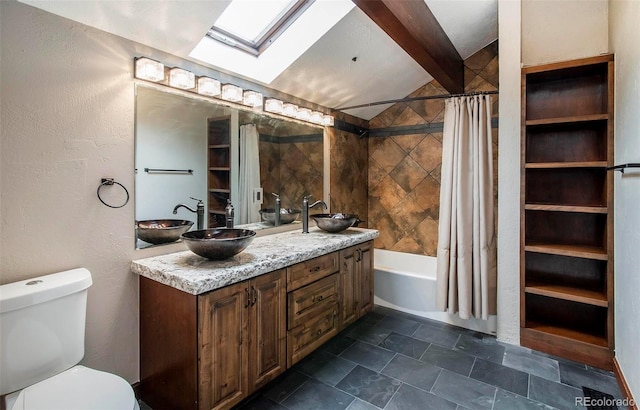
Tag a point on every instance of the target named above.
point(312, 299)
point(309, 271)
point(305, 338)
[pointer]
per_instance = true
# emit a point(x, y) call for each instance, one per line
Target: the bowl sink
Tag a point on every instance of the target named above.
point(157, 231)
point(287, 215)
point(218, 243)
point(334, 222)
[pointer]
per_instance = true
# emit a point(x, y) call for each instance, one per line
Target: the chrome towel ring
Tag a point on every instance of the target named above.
point(109, 182)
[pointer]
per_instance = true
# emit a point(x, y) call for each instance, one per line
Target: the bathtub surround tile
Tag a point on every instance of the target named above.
point(405, 345)
point(411, 371)
point(314, 395)
point(370, 356)
point(452, 360)
point(369, 386)
point(501, 376)
point(408, 397)
point(443, 378)
point(464, 391)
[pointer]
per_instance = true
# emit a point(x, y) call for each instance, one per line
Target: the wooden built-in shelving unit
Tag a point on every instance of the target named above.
point(567, 210)
point(219, 169)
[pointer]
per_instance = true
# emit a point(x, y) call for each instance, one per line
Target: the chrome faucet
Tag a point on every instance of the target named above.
point(199, 211)
point(305, 211)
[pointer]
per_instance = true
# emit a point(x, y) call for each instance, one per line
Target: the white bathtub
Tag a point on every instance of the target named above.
point(407, 282)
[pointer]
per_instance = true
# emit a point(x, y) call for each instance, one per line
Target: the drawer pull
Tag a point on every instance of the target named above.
point(320, 297)
point(319, 332)
point(315, 269)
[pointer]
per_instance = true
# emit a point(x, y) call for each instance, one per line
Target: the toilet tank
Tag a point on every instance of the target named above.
point(42, 322)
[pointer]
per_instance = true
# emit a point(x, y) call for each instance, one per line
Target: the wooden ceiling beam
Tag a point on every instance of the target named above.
point(413, 27)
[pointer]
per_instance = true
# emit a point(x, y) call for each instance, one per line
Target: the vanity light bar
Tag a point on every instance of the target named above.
point(232, 93)
point(183, 79)
point(273, 105)
point(209, 86)
point(252, 99)
point(148, 69)
point(154, 71)
point(290, 110)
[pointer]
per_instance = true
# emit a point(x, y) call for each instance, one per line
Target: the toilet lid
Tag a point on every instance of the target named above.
point(78, 388)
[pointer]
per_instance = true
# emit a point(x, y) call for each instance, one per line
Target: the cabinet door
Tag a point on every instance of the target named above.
point(349, 285)
point(222, 320)
point(267, 328)
point(365, 278)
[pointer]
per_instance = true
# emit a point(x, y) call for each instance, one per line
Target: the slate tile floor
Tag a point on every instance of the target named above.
point(394, 361)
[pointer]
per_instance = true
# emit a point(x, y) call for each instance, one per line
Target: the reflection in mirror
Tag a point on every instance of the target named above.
point(185, 152)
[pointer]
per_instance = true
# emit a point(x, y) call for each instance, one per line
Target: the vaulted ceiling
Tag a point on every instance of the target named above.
point(326, 73)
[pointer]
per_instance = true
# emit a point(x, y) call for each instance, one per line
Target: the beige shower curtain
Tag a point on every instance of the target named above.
point(466, 240)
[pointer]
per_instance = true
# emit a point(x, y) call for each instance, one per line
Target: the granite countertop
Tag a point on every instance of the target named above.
point(194, 274)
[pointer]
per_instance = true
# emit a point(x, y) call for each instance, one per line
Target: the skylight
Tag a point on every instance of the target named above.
point(291, 42)
point(248, 19)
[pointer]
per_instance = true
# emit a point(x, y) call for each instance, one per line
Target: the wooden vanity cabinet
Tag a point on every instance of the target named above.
point(242, 339)
point(356, 279)
point(211, 351)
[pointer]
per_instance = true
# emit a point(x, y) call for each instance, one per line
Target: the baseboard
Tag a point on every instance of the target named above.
point(633, 404)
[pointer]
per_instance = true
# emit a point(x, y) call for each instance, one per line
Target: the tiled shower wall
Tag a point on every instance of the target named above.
point(404, 164)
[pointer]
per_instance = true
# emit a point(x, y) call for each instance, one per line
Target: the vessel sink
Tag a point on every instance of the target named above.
point(157, 231)
point(334, 222)
point(287, 215)
point(218, 243)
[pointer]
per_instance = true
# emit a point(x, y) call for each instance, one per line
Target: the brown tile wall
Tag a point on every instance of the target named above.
point(291, 169)
point(404, 170)
point(348, 174)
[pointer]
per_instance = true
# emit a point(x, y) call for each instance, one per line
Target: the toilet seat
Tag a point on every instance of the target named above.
point(78, 388)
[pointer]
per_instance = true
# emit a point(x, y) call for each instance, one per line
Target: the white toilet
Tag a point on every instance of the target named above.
point(42, 323)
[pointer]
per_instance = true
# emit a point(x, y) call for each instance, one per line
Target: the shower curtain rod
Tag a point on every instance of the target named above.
point(427, 97)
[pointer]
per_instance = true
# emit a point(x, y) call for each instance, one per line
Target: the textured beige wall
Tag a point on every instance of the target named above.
point(67, 120)
point(404, 170)
point(624, 32)
point(555, 30)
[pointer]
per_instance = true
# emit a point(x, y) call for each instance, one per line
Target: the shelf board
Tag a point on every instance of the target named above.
point(551, 165)
point(565, 333)
point(564, 120)
point(573, 294)
point(587, 252)
point(222, 190)
point(219, 168)
point(566, 208)
point(220, 146)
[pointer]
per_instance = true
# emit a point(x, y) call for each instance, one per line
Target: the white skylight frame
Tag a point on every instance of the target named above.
point(252, 26)
point(308, 28)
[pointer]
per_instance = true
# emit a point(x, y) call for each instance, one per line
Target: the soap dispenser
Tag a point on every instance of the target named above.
point(229, 213)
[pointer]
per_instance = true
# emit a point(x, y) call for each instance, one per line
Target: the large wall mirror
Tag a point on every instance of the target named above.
point(188, 147)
